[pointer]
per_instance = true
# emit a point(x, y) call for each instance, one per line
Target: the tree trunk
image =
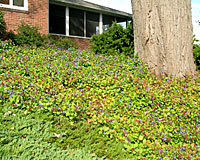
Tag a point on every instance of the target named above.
point(163, 35)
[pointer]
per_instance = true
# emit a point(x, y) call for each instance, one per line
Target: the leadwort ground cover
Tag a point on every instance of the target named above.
point(154, 117)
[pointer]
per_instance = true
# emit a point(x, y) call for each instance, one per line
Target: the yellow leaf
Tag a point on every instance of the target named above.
point(184, 145)
point(141, 138)
point(93, 154)
point(11, 128)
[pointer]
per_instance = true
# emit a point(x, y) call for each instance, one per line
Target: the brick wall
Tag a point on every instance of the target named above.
point(82, 43)
point(37, 14)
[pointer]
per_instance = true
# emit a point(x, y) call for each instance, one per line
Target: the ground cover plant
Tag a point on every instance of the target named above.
point(23, 137)
point(154, 117)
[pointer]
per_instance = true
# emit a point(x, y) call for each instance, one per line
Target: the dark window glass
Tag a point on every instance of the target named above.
point(76, 22)
point(92, 26)
point(4, 1)
point(18, 3)
point(107, 21)
point(57, 19)
point(121, 21)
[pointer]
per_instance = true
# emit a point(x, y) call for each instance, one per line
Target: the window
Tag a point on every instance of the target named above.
point(18, 3)
point(121, 21)
point(107, 22)
point(57, 19)
point(14, 4)
point(92, 25)
point(4, 1)
point(76, 22)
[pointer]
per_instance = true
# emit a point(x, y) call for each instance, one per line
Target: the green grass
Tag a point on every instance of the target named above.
point(44, 136)
point(111, 105)
point(23, 137)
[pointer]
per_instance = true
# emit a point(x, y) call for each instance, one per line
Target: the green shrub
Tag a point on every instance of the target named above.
point(62, 43)
point(28, 35)
point(196, 53)
point(115, 40)
point(2, 24)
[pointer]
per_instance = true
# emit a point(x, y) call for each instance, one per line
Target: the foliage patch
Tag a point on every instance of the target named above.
point(152, 116)
point(23, 137)
point(2, 24)
point(196, 53)
point(116, 40)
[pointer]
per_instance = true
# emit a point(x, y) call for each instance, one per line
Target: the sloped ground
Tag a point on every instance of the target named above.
point(152, 116)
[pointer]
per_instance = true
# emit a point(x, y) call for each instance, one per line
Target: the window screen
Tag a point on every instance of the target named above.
point(92, 25)
point(76, 22)
point(121, 21)
point(57, 19)
point(107, 21)
point(4, 1)
point(18, 3)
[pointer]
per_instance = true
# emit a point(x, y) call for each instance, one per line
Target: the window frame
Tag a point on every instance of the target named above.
point(88, 21)
point(67, 20)
point(57, 16)
point(83, 24)
point(11, 6)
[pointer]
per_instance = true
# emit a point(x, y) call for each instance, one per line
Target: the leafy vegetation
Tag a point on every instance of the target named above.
point(62, 43)
point(84, 135)
point(30, 36)
point(2, 24)
point(116, 40)
point(196, 53)
point(151, 116)
point(23, 137)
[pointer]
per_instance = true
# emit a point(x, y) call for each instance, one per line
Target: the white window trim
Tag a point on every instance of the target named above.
point(101, 23)
point(85, 23)
point(101, 30)
point(70, 36)
point(67, 21)
point(11, 6)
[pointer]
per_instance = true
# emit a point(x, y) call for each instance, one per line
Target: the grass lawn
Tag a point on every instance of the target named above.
point(77, 105)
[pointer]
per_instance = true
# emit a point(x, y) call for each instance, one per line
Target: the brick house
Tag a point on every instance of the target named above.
point(76, 19)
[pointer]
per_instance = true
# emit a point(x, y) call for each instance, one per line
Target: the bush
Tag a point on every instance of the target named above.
point(196, 53)
point(62, 43)
point(114, 41)
point(2, 24)
point(28, 35)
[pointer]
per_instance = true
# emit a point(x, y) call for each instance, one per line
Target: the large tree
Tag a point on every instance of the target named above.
point(163, 35)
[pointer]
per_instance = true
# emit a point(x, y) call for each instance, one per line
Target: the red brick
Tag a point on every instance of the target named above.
point(37, 14)
point(82, 43)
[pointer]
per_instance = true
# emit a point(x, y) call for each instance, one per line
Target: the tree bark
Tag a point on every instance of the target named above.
point(163, 35)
